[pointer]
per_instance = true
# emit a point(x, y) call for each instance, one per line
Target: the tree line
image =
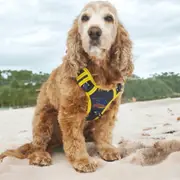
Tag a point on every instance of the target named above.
point(158, 86)
point(19, 88)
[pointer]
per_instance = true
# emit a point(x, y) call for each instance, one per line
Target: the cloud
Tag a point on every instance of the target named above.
point(34, 32)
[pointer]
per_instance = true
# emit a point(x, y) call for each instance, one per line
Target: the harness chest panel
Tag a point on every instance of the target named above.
point(98, 99)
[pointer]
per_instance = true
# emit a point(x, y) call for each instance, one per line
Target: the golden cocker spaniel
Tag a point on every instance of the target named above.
point(99, 42)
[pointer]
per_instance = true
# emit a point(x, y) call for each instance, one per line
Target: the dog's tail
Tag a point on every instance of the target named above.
point(157, 153)
point(22, 152)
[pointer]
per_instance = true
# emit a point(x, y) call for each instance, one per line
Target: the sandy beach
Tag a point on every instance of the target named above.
point(145, 122)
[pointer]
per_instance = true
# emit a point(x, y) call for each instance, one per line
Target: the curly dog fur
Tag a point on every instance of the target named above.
point(61, 104)
point(157, 153)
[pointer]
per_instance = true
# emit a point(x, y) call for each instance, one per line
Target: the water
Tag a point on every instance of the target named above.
point(5, 108)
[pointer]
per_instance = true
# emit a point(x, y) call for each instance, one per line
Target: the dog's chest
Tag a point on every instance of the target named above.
point(98, 100)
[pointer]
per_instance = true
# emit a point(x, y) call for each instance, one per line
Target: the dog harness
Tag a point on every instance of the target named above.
point(98, 99)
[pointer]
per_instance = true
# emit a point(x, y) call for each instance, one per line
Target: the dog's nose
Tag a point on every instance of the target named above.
point(94, 32)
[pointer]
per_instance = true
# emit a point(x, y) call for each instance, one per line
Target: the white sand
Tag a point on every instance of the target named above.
point(15, 129)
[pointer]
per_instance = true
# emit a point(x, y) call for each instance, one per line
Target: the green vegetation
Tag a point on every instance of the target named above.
point(19, 88)
point(158, 86)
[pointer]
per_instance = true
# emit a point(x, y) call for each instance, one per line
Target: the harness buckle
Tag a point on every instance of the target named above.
point(87, 86)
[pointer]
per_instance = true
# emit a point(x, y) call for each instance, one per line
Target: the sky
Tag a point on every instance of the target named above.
point(33, 33)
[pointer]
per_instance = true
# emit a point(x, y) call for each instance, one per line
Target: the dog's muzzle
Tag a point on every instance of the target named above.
point(94, 33)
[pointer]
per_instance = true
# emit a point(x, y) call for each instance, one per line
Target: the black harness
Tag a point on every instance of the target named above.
point(98, 99)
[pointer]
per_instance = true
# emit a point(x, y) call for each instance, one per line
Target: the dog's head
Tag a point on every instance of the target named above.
point(97, 35)
point(97, 26)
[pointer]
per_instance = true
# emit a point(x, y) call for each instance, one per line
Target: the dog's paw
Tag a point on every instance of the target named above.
point(85, 165)
point(109, 153)
point(40, 159)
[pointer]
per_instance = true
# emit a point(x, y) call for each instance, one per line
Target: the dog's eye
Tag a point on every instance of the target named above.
point(108, 18)
point(85, 18)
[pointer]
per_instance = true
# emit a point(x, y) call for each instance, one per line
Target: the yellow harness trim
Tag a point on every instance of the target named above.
point(86, 76)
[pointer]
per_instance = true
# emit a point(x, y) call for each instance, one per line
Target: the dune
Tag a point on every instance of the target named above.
point(139, 122)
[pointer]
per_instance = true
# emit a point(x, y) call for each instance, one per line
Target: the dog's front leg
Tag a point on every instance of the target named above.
point(74, 142)
point(103, 134)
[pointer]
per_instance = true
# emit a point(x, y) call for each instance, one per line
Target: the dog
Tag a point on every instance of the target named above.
point(99, 44)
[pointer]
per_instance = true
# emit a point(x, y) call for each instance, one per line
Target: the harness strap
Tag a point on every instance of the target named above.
point(87, 83)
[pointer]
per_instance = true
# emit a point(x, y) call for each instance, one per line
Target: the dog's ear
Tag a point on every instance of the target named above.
point(121, 52)
point(75, 54)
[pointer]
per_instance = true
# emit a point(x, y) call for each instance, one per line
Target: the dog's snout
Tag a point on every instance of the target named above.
point(94, 32)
